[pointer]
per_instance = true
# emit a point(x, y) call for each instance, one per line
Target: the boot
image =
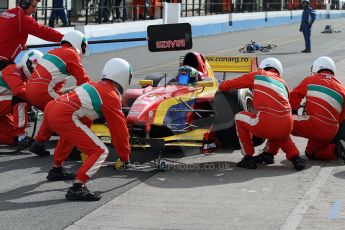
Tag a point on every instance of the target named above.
point(340, 149)
point(57, 174)
point(298, 163)
point(310, 156)
point(264, 158)
point(39, 149)
point(247, 162)
point(80, 192)
point(51, 23)
point(306, 51)
point(25, 143)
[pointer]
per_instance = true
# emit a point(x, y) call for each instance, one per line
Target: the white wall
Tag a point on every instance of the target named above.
point(12, 4)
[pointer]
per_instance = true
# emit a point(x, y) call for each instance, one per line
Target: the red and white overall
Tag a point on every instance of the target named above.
point(51, 73)
point(273, 119)
point(324, 110)
point(13, 111)
point(15, 27)
point(69, 116)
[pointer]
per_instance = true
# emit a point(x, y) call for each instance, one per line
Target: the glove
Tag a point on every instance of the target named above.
point(120, 165)
point(300, 29)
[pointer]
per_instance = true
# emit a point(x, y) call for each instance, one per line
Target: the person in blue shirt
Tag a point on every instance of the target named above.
point(101, 9)
point(308, 18)
point(58, 11)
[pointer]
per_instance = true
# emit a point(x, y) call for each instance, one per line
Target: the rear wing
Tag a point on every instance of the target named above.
point(232, 64)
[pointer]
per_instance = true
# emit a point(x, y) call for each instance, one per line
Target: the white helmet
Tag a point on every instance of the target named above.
point(119, 71)
point(29, 61)
point(323, 63)
point(272, 63)
point(77, 39)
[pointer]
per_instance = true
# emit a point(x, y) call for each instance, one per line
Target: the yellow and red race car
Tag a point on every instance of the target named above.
point(181, 114)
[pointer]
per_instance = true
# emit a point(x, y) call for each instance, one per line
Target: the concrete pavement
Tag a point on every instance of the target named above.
point(212, 193)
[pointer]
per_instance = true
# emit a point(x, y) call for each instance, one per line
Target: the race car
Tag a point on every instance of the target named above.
point(182, 113)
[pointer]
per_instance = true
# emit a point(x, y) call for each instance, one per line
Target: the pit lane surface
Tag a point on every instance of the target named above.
point(208, 193)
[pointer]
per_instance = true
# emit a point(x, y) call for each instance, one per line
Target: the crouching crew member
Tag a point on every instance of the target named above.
point(55, 67)
point(68, 116)
point(273, 119)
point(324, 110)
point(53, 70)
point(13, 106)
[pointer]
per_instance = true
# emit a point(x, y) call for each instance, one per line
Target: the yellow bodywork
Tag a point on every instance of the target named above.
point(189, 139)
point(231, 64)
point(145, 82)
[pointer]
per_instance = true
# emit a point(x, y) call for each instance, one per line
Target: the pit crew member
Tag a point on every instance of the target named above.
point(16, 24)
point(270, 100)
point(55, 67)
point(69, 117)
point(13, 106)
point(324, 110)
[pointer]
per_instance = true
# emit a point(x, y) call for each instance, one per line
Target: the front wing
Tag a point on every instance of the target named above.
point(193, 138)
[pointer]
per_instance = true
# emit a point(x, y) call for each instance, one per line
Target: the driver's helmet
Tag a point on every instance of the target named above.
point(120, 71)
point(76, 39)
point(323, 63)
point(250, 48)
point(188, 75)
point(29, 61)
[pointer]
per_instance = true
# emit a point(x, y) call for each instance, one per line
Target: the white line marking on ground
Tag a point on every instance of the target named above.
point(333, 214)
point(296, 215)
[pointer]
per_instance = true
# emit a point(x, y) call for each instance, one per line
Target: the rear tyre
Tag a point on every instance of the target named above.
point(226, 105)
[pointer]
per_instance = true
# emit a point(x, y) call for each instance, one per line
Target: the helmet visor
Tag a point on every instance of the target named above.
point(183, 79)
point(84, 47)
point(130, 78)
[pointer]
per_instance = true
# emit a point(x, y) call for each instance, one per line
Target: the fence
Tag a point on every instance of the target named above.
point(88, 11)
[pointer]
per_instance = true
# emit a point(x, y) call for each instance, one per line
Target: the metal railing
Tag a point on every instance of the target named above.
point(88, 12)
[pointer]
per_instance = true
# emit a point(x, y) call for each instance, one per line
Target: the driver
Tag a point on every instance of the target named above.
point(324, 110)
point(187, 75)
